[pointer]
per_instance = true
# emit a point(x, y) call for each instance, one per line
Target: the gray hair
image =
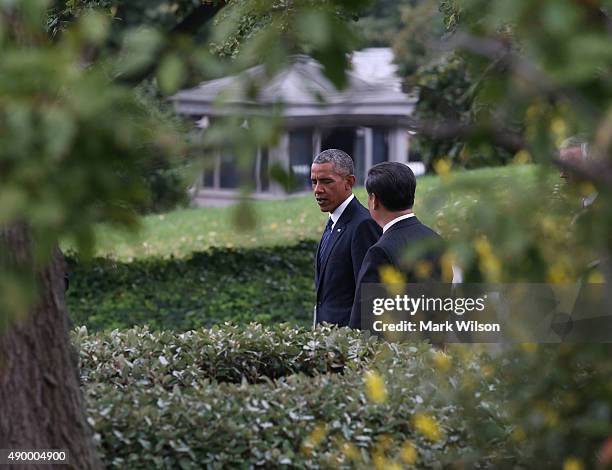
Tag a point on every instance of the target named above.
point(577, 141)
point(343, 163)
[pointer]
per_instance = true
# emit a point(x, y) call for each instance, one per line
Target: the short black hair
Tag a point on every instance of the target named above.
point(343, 163)
point(393, 184)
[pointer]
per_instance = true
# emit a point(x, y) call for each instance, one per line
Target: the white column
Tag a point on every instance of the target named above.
point(316, 142)
point(368, 144)
point(398, 145)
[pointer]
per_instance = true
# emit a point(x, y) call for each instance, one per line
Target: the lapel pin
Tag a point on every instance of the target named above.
point(339, 230)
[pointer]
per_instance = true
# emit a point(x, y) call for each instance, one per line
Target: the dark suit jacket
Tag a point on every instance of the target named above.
point(390, 250)
point(335, 279)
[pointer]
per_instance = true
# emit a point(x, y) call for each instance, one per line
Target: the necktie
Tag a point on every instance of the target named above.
point(326, 236)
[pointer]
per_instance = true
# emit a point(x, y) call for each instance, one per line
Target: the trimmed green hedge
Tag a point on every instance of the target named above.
point(199, 408)
point(267, 285)
point(226, 353)
point(276, 397)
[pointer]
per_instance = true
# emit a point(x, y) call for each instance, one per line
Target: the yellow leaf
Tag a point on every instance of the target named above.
point(376, 390)
point(314, 439)
point(596, 277)
point(443, 168)
point(442, 361)
point(522, 157)
point(518, 435)
point(427, 426)
point(390, 275)
point(392, 278)
point(572, 463)
point(408, 453)
point(350, 451)
point(557, 274)
point(559, 128)
point(423, 269)
point(529, 347)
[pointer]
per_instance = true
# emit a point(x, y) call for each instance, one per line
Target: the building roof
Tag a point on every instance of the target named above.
point(375, 65)
point(305, 94)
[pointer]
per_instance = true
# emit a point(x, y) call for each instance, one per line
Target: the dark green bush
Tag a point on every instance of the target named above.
point(252, 396)
point(149, 412)
point(267, 285)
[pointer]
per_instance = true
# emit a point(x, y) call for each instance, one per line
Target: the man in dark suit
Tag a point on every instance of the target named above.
point(348, 234)
point(391, 187)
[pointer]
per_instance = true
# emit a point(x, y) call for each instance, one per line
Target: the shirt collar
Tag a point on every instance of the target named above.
point(396, 220)
point(340, 209)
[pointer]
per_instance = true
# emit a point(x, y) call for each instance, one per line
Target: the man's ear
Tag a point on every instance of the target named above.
point(375, 203)
point(350, 179)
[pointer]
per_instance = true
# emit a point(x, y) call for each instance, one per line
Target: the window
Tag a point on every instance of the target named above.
point(263, 171)
point(380, 145)
point(300, 157)
point(228, 171)
point(225, 172)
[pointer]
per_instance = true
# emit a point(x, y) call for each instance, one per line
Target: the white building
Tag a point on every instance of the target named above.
point(368, 120)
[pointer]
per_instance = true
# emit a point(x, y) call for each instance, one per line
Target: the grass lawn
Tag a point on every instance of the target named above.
point(181, 232)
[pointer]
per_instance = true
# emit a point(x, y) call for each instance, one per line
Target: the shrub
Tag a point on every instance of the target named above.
point(195, 408)
point(227, 353)
point(267, 285)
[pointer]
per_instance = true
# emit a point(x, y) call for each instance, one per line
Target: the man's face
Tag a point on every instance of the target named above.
point(330, 188)
point(572, 156)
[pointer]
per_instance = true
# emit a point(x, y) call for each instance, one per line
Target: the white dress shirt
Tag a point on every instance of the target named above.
point(396, 220)
point(340, 209)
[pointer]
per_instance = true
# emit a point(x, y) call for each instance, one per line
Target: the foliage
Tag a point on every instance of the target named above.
point(443, 87)
point(268, 285)
point(163, 14)
point(225, 353)
point(440, 78)
point(560, 403)
point(528, 98)
point(243, 396)
point(540, 76)
point(72, 140)
point(167, 177)
point(73, 151)
point(416, 42)
point(324, 420)
point(381, 22)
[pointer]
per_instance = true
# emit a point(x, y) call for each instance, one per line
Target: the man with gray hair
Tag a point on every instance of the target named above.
point(348, 234)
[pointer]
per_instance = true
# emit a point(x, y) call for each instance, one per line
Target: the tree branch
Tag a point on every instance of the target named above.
point(497, 50)
point(445, 130)
point(188, 26)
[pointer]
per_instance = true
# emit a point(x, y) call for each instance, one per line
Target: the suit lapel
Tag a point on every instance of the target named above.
point(338, 231)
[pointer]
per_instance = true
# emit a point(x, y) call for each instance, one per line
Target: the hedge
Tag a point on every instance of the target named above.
point(226, 353)
point(267, 285)
point(271, 397)
point(244, 397)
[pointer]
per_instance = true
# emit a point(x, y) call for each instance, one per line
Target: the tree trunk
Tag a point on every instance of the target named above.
point(41, 405)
